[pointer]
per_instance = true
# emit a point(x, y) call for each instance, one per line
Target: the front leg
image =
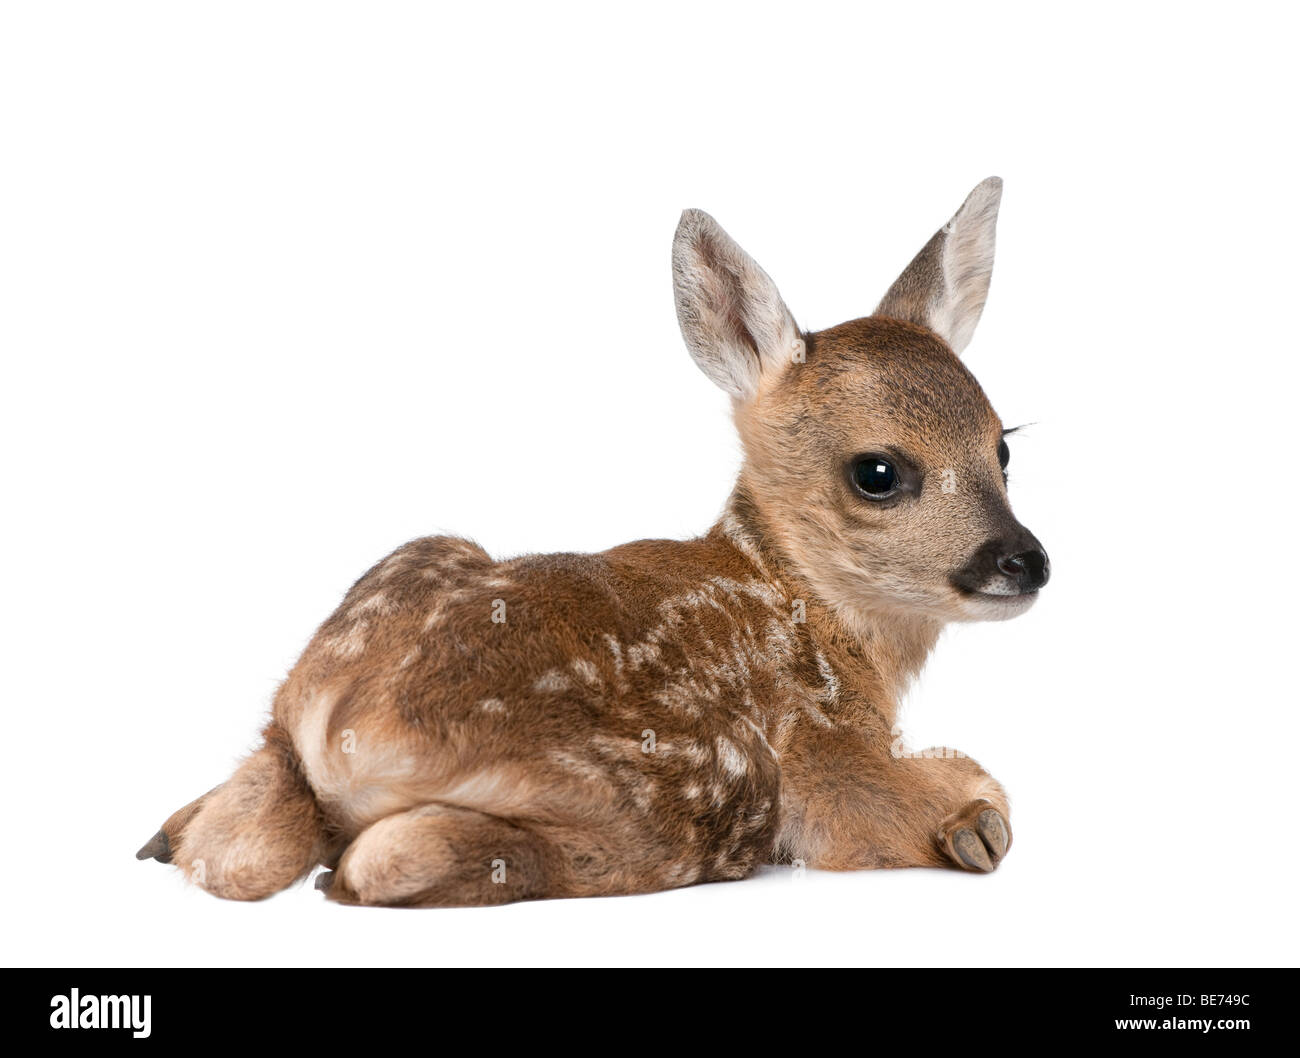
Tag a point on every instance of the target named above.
point(852, 800)
point(977, 835)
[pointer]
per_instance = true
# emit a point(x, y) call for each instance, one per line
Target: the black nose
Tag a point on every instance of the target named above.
point(1029, 568)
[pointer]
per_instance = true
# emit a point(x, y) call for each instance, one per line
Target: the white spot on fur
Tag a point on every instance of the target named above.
point(755, 589)
point(552, 682)
point(379, 603)
point(641, 654)
point(349, 644)
point(830, 682)
point(584, 769)
point(616, 649)
point(586, 672)
point(732, 760)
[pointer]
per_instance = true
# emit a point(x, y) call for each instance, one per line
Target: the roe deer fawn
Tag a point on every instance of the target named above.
point(466, 731)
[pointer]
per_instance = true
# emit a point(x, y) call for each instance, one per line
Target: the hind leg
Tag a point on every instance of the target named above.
point(439, 856)
point(255, 834)
point(159, 847)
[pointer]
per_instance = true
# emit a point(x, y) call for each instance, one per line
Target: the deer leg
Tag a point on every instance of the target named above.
point(440, 856)
point(253, 835)
point(856, 804)
point(159, 847)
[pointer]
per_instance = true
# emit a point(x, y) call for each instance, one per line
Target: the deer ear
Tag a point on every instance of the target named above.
point(735, 324)
point(945, 286)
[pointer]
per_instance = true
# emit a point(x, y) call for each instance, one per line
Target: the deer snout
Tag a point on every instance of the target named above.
point(1013, 564)
point(1030, 568)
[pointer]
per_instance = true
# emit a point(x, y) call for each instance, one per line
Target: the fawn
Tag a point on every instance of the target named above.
point(465, 731)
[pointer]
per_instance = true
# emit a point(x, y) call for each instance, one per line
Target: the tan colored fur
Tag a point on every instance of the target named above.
point(470, 731)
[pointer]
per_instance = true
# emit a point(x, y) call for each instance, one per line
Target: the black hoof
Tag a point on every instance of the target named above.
point(156, 848)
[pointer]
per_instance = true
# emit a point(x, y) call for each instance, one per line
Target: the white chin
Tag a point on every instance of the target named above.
point(978, 606)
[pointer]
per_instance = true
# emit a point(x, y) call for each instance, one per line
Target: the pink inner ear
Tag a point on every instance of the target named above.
point(724, 289)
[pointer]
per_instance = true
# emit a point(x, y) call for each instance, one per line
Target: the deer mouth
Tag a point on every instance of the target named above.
point(995, 605)
point(996, 595)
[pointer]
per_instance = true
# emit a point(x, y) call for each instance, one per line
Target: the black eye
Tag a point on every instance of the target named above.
point(1004, 453)
point(875, 476)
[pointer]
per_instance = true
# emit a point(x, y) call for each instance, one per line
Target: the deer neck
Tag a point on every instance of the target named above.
point(876, 653)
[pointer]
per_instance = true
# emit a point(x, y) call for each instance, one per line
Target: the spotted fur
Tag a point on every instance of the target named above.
point(469, 731)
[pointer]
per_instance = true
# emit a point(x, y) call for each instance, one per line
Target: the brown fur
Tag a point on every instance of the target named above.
point(467, 731)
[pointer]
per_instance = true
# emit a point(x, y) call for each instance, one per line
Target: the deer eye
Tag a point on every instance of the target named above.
point(875, 477)
point(1004, 454)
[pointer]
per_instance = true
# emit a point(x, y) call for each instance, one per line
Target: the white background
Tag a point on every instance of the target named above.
point(284, 285)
